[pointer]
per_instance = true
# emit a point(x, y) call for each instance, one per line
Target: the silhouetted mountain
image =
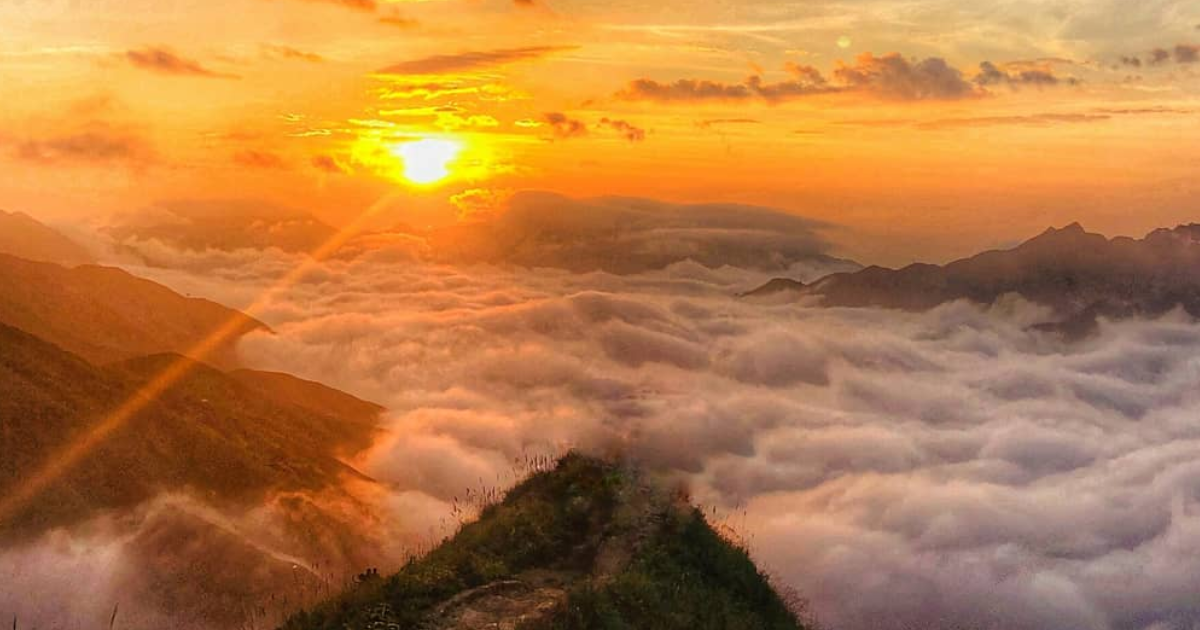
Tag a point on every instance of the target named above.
point(209, 433)
point(585, 545)
point(1079, 274)
point(224, 225)
point(629, 235)
point(23, 236)
point(105, 314)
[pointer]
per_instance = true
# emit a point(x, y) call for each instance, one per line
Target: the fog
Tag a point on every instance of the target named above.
point(948, 469)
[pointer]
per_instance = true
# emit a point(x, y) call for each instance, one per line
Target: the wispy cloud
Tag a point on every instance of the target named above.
point(1037, 76)
point(163, 61)
point(471, 61)
point(357, 5)
point(96, 145)
point(259, 159)
point(277, 51)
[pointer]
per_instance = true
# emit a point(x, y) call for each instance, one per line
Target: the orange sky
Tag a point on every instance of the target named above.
point(928, 129)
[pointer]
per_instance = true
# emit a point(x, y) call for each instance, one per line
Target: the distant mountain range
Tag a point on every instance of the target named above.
point(1080, 275)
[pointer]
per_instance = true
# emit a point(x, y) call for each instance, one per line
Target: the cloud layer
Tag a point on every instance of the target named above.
point(944, 470)
point(947, 469)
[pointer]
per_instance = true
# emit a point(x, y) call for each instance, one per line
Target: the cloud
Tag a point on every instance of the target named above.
point(399, 21)
point(991, 74)
point(953, 468)
point(627, 130)
point(685, 90)
point(467, 62)
point(717, 122)
point(357, 5)
point(1186, 53)
point(94, 144)
point(259, 159)
point(287, 52)
point(563, 126)
point(163, 61)
point(888, 77)
point(328, 164)
point(895, 77)
point(632, 235)
point(1179, 53)
point(480, 203)
point(1040, 119)
point(944, 469)
point(807, 81)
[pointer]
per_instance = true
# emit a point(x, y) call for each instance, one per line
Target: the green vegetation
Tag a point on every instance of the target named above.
point(622, 555)
point(689, 578)
point(539, 524)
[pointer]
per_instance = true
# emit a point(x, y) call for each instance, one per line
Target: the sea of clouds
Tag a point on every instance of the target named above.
point(948, 469)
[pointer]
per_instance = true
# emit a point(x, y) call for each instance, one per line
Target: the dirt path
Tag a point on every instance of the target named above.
point(503, 605)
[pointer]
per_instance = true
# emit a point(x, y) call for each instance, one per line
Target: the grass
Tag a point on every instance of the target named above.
point(687, 578)
point(682, 574)
point(545, 522)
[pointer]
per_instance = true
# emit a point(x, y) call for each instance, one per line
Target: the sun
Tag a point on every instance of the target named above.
point(427, 161)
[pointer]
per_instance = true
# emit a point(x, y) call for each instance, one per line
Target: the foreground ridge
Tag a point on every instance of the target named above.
point(589, 544)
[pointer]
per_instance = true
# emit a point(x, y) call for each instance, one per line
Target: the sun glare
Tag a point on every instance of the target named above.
point(427, 161)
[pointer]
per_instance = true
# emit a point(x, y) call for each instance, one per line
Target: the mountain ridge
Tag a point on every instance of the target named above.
point(1079, 274)
point(208, 432)
point(586, 543)
point(23, 236)
point(106, 314)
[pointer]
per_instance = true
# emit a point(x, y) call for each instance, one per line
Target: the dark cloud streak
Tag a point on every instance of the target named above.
point(467, 62)
point(163, 61)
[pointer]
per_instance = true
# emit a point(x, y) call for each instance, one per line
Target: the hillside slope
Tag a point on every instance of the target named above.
point(23, 236)
point(586, 545)
point(209, 433)
point(104, 314)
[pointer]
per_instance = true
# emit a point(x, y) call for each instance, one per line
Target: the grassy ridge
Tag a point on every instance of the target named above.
point(683, 575)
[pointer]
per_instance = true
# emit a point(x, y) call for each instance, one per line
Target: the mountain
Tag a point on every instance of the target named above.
point(629, 235)
point(105, 314)
point(1080, 275)
point(223, 225)
point(286, 389)
point(209, 433)
point(23, 236)
point(587, 544)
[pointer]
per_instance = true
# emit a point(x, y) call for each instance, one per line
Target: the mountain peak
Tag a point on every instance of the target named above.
point(1071, 229)
point(586, 544)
